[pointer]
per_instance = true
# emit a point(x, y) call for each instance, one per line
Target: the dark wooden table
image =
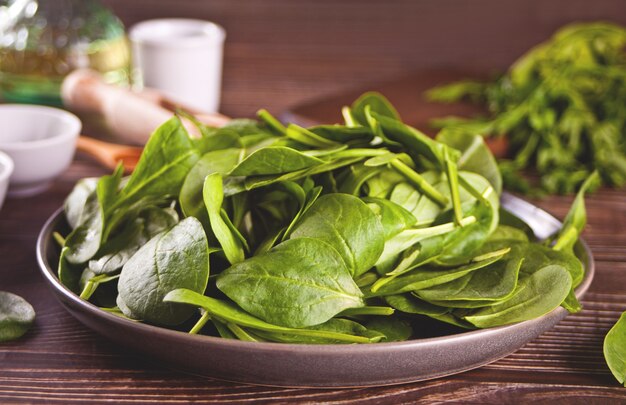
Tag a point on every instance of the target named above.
point(281, 52)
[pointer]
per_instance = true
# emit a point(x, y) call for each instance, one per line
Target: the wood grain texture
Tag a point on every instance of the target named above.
point(285, 52)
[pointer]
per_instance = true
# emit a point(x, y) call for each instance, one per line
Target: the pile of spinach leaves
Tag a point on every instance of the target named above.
point(329, 234)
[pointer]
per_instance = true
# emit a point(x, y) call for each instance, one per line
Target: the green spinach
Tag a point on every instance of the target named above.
point(560, 107)
point(330, 234)
point(313, 281)
point(615, 349)
point(16, 316)
point(348, 225)
point(175, 258)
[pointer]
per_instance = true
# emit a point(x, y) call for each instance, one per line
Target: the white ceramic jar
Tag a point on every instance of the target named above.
point(182, 58)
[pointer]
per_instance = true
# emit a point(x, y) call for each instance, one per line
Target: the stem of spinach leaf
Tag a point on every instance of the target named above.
point(418, 181)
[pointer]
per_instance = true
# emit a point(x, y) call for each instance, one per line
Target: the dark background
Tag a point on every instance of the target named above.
point(281, 52)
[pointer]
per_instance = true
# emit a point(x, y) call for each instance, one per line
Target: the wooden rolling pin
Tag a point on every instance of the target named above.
point(131, 116)
point(110, 154)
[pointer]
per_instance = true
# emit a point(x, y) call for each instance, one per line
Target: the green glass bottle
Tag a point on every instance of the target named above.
point(41, 41)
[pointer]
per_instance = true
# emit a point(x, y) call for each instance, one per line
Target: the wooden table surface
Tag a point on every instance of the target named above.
point(279, 53)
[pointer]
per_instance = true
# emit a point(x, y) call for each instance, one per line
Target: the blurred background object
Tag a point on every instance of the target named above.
point(6, 169)
point(41, 41)
point(282, 52)
point(562, 106)
point(40, 141)
point(129, 116)
point(180, 57)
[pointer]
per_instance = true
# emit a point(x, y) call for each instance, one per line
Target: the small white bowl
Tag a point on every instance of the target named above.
point(41, 142)
point(6, 169)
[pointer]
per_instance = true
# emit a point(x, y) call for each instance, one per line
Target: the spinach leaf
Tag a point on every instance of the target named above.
point(234, 185)
point(480, 217)
point(424, 251)
point(191, 199)
point(481, 203)
point(423, 208)
point(159, 173)
point(300, 282)
point(222, 329)
point(158, 219)
point(74, 205)
point(89, 282)
point(537, 256)
point(274, 160)
point(219, 139)
point(16, 316)
point(351, 180)
point(418, 181)
point(377, 103)
point(308, 138)
point(336, 325)
point(161, 169)
point(175, 258)
point(305, 202)
point(615, 349)
point(69, 274)
point(393, 329)
point(428, 276)
point(475, 155)
point(344, 135)
point(228, 312)
point(393, 217)
point(412, 305)
point(113, 254)
point(412, 236)
point(576, 218)
point(505, 232)
point(417, 144)
point(223, 229)
point(271, 122)
point(381, 184)
point(85, 240)
point(494, 282)
point(348, 225)
point(535, 295)
point(119, 249)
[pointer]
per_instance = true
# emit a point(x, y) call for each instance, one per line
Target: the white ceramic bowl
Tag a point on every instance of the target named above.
point(41, 142)
point(6, 169)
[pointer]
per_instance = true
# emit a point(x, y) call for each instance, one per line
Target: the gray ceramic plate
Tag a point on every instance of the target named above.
point(292, 365)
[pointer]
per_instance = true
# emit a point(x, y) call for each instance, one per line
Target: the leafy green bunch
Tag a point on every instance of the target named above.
point(562, 106)
point(349, 233)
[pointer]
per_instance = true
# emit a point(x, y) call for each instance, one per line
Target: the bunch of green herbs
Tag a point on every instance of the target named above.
point(562, 107)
